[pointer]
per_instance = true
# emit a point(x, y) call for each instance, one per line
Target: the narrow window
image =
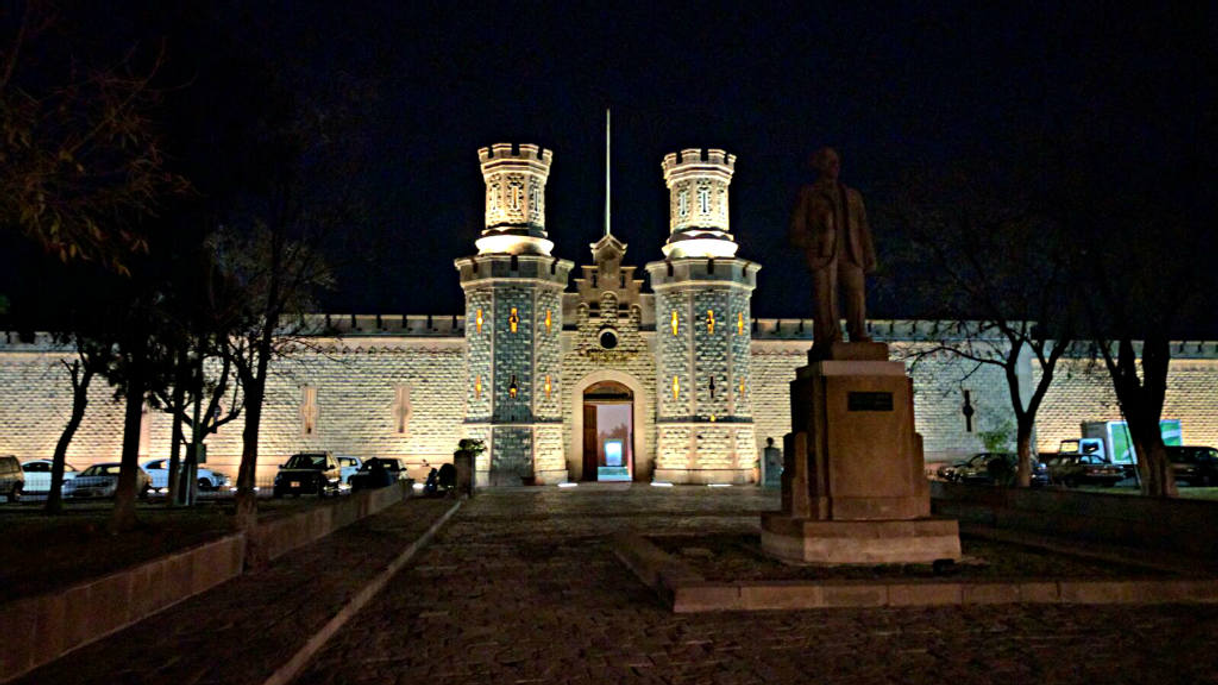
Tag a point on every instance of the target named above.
point(401, 407)
point(478, 320)
point(513, 320)
point(675, 322)
point(740, 323)
point(478, 387)
point(683, 203)
point(676, 388)
point(712, 387)
point(741, 393)
point(704, 199)
point(548, 387)
point(547, 321)
point(308, 410)
point(513, 388)
point(710, 321)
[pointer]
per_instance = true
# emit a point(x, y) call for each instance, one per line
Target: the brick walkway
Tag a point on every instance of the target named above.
point(241, 631)
point(521, 587)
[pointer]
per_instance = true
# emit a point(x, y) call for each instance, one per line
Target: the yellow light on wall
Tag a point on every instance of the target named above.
point(478, 387)
point(547, 386)
point(547, 321)
point(676, 388)
point(742, 386)
point(478, 319)
point(710, 321)
point(740, 323)
point(675, 322)
point(513, 388)
point(513, 320)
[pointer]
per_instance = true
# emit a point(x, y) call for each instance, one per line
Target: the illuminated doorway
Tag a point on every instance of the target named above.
point(608, 433)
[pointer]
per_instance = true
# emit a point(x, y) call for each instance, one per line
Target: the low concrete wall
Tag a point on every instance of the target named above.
point(43, 628)
point(1178, 525)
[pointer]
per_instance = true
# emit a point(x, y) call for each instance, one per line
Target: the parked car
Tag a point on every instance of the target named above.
point(378, 472)
point(38, 475)
point(349, 465)
point(984, 467)
point(1072, 470)
point(12, 479)
point(101, 480)
point(158, 470)
point(1193, 465)
point(314, 473)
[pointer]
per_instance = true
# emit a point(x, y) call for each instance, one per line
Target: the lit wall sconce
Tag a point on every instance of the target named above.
point(478, 387)
point(741, 387)
point(547, 387)
point(512, 387)
point(675, 322)
point(710, 321)
point(740, 323)
point(676, 388)
point(478, 320)
point(513, 320)
point(547, 321)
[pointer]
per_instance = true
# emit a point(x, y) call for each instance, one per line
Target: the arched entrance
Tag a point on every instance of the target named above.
point(608, 436)
point(608, 445)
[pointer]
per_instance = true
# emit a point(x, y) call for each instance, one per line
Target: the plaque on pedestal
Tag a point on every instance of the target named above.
point(854, 489)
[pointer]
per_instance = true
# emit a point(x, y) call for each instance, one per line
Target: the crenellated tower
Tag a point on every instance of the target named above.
point(513, 308)
point(704, 422)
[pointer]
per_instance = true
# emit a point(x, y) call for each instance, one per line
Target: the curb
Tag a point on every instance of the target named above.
point(684, 591)
point(290, 669)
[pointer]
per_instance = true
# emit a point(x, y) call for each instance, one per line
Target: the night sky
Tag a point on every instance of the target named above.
point(898, 91)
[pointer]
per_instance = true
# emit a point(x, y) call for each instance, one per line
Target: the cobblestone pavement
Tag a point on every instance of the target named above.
point(239, 632)
point(521, 587)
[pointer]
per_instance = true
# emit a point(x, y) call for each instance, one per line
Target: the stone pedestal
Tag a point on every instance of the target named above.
point(854, 490)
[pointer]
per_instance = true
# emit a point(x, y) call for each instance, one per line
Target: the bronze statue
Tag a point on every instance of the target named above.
point(830, 225)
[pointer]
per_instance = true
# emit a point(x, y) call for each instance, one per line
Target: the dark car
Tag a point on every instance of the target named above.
point(989, 468)
point(1072, 470)
point(1194, 465)
point(12, 478)
point(378, 472)
point(308, 473)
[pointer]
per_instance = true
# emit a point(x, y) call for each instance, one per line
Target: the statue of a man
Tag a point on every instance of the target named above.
point(830, 225)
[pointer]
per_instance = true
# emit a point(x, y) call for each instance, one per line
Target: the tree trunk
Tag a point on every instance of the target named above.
point(247, 498)
point(177, 408)
point(124, 499)
point(1023, 444)
point(80, 401)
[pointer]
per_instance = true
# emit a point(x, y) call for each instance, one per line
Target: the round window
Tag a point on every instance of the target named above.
point(608, 339)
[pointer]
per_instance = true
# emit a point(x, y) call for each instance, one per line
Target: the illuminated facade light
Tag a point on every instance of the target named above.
point(478, 320)
point(478, 387)
point(513, 388)
point(548, 387)
point(548, 321)
point(513, 320)
point(742, 387)
point(676, 388)
point(710, 321)
point(740, 323)
point(675, 322)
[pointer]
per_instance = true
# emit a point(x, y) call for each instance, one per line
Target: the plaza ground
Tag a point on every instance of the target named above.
point(521, 586)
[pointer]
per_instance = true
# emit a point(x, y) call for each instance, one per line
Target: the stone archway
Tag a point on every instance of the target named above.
point(644, 465)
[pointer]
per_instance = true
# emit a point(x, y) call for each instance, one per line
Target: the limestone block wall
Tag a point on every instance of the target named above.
point(1082, 391)
point(357, 386)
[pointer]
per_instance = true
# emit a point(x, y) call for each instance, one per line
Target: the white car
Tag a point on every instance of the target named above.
point(38, 475)
point(158, 470)
point(101, 480)
point(348, 466)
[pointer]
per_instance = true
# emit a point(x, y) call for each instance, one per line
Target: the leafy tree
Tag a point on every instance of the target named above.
point(80, 158)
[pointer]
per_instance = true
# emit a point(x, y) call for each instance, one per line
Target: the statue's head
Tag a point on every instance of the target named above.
point(826, 162)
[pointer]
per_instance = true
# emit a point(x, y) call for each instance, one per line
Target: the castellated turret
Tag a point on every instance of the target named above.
point(513, 323)
point(515, 180)
point(704, 418)
point(697, 183)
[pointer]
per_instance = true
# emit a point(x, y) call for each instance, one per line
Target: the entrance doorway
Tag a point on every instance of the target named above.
point(608, 432)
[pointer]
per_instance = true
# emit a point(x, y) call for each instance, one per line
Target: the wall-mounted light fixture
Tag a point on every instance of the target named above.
point(512, 387)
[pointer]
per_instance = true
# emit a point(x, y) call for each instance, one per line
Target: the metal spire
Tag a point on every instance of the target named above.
point(606, 172)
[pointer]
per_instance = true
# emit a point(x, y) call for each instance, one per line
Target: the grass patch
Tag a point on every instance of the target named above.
point(739, 557)
point(39, 553)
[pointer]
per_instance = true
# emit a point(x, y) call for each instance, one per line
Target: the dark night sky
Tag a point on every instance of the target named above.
point(896, 89)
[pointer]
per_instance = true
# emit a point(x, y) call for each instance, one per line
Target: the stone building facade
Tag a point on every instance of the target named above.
point(591, 376)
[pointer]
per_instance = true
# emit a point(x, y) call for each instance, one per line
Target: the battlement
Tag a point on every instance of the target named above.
point(523, 152)
point(708, 159)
